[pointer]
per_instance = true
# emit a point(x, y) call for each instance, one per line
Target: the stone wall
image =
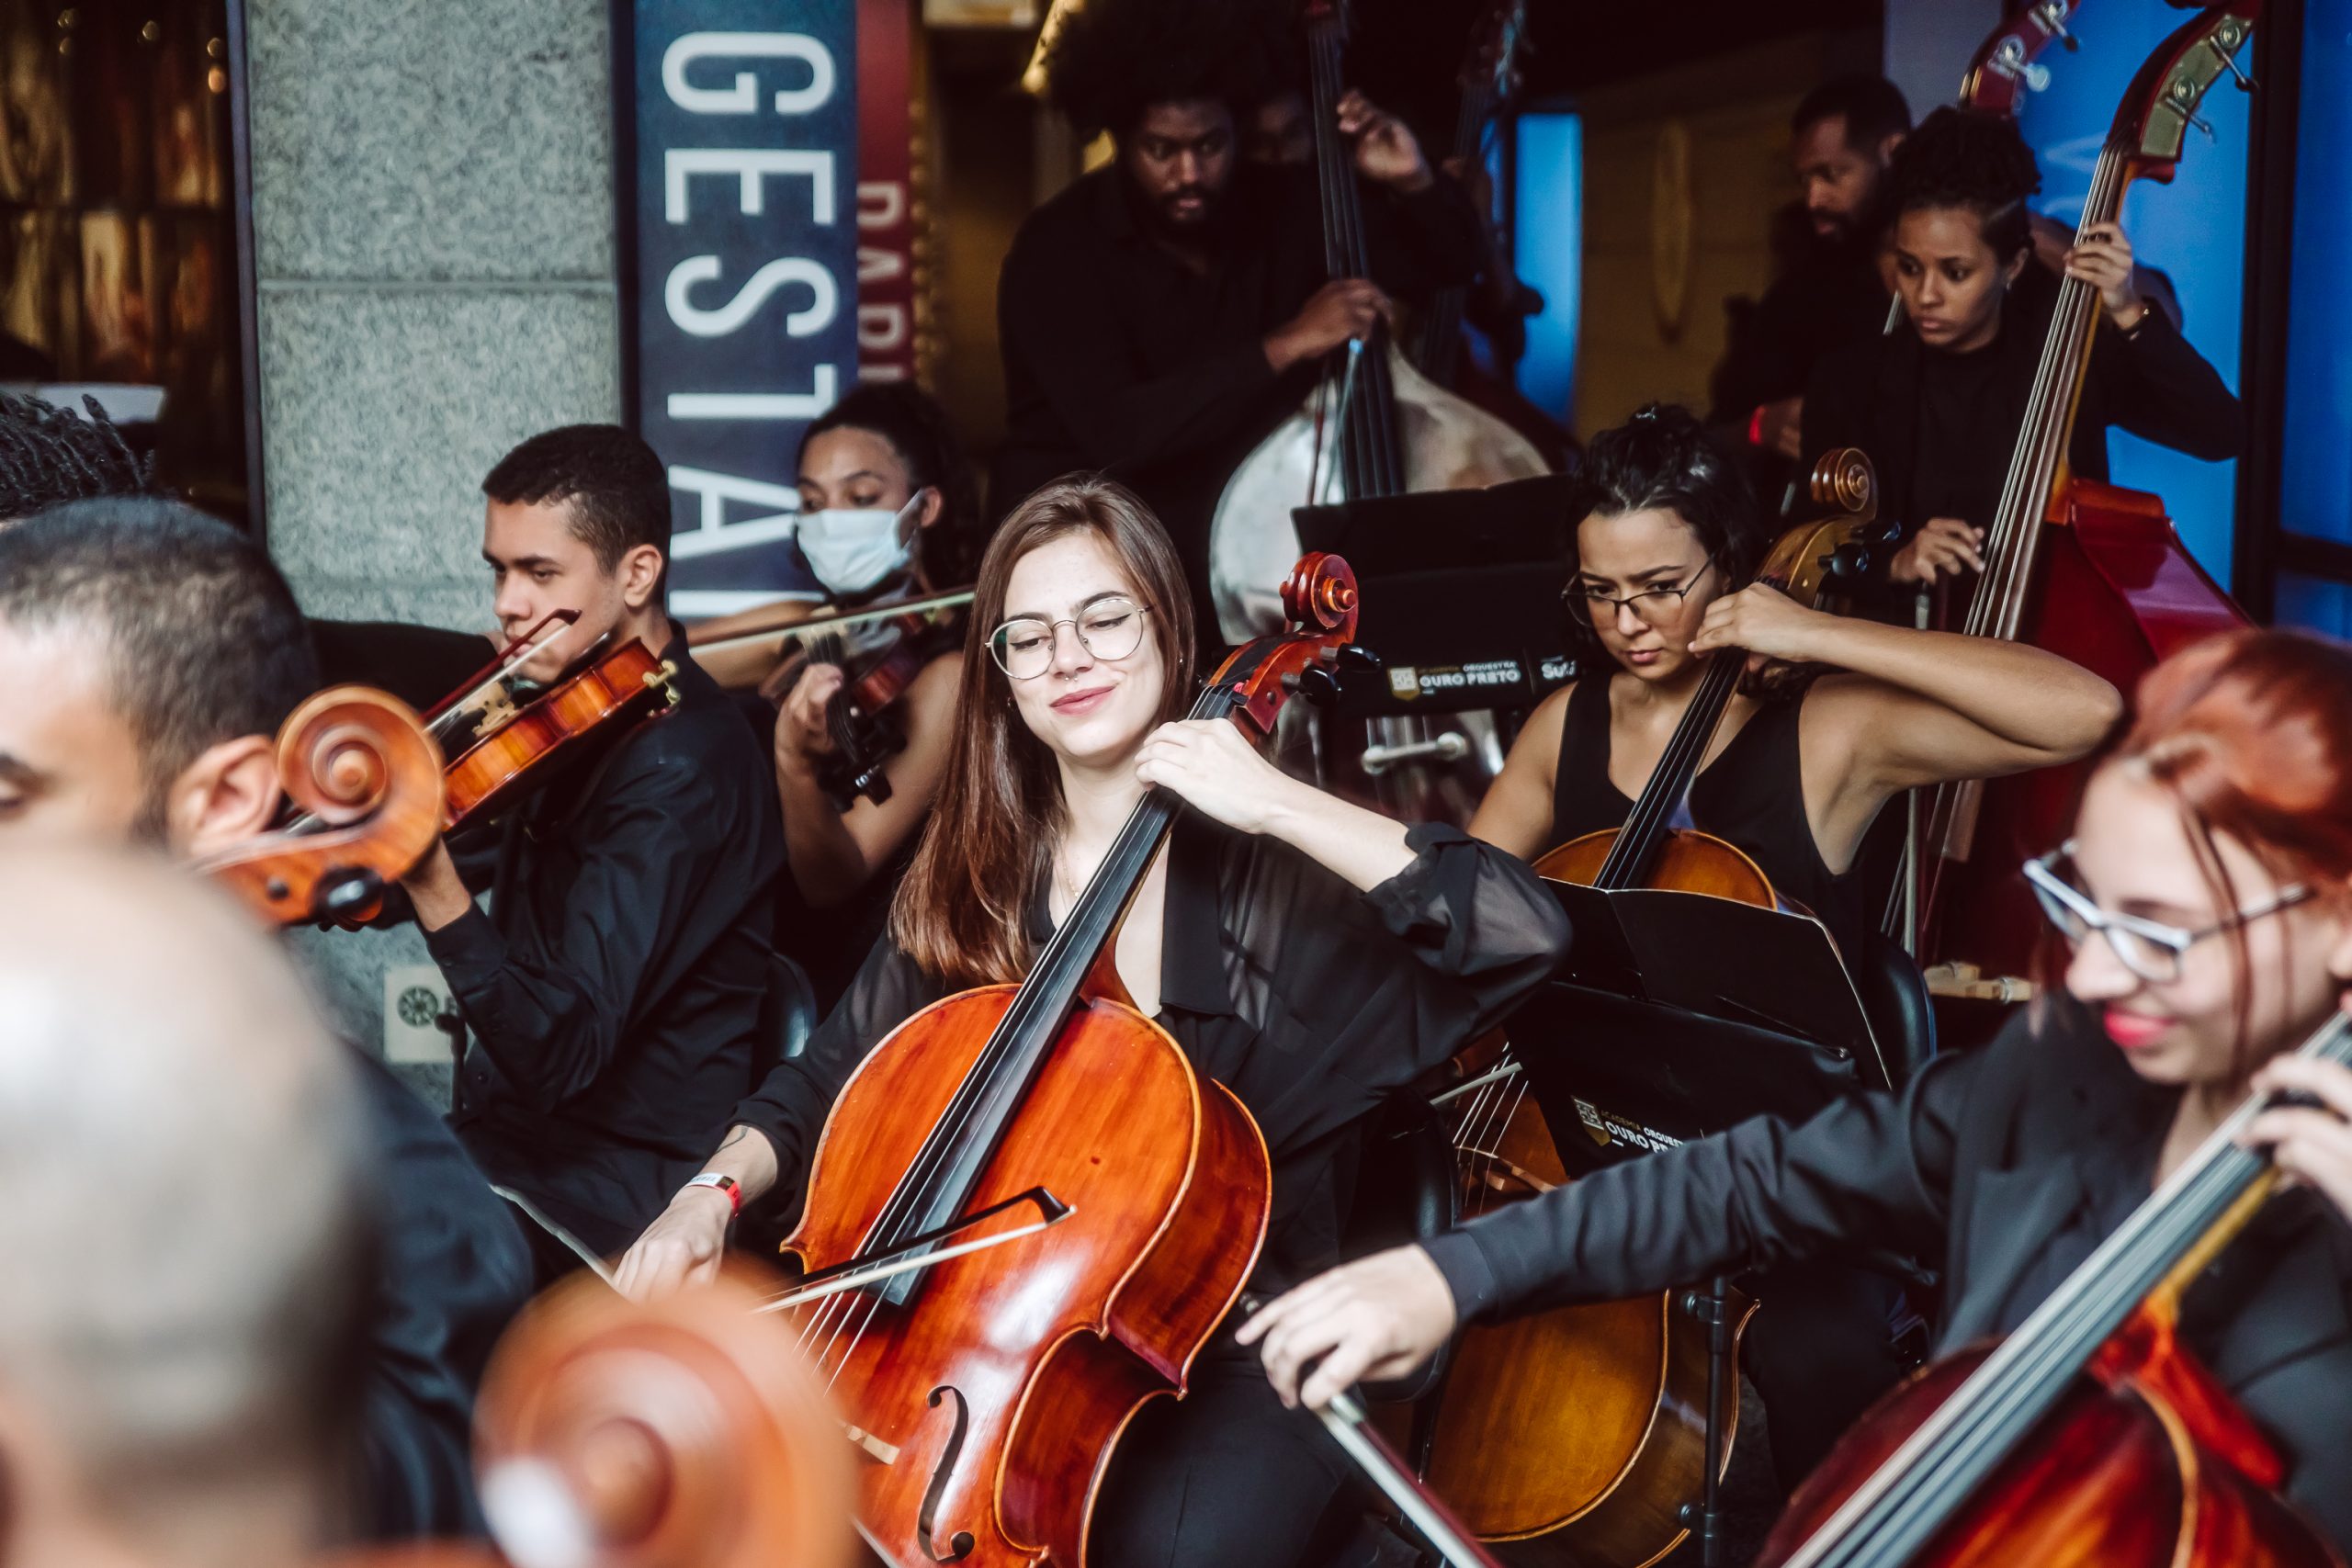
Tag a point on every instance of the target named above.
point(434, 238)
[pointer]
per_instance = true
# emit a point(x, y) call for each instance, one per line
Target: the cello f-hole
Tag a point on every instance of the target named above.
point(959, 1545)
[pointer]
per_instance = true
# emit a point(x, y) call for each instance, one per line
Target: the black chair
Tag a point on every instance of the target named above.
point(787, 1014)
point(1895, 999)
point(1407, 1189)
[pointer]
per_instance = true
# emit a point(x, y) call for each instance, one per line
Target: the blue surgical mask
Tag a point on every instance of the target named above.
point(857, 551)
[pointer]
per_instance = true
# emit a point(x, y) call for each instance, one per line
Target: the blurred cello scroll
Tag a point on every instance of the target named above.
point(680, 1433)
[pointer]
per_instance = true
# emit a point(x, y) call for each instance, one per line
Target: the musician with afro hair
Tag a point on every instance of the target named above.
point(1166, 311)
point(1938, 401)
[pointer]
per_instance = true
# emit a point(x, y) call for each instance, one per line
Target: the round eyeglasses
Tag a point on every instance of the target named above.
point(2150, 948)
point(1110, 628)
point(1652, 605)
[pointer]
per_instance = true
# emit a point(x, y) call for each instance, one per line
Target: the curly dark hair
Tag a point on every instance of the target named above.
point(1112, 59)
point(1966, 159)
point(50, 455)
point(616, 491)
point(1663, 460)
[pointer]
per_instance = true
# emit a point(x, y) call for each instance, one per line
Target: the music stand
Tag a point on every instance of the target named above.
point(1732, 1012)
point(1461, 594)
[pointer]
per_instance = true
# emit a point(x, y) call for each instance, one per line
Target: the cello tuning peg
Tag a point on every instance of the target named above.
point(1318, 686)
point(1355, 656)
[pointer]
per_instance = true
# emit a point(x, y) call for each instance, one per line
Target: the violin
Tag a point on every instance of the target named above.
point(858, 718)
point(365, 776)
point(1583, 1428)
point(513, 747)
point(2090, 1435)
point(2092, 572)
point(987, 1391)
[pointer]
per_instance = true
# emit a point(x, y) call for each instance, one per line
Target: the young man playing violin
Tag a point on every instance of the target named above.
point(613, 997)
point(157, 652)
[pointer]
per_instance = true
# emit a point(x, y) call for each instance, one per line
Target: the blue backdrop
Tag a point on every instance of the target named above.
point(746, 308)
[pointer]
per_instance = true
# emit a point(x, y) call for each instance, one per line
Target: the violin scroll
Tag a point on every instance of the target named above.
point(360, 766)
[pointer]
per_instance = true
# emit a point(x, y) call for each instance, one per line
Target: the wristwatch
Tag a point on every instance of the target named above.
point(726, 1184)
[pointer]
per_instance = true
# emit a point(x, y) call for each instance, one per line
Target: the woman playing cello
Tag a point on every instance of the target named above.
point(1304, 952)
point(2207, 897)
point(1669, 533)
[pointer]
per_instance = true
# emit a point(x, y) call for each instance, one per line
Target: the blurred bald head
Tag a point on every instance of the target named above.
point(178, 1202)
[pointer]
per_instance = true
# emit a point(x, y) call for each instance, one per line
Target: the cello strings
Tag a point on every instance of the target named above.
point(1973, 1428)
point(985, 1081)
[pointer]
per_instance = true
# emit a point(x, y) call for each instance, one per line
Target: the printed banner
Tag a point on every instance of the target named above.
point(746, 249)
point(885, 191)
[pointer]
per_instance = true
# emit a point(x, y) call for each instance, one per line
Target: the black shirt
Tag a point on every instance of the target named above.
point(614, 995)
point(1752, 796)
point(1832, 296)
point(453, 1271)
point(1119, 356)
point(1941, 428)
point(1309, 1001)
point(2011, 1163)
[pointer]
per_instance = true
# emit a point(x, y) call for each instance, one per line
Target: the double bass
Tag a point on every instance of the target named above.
point(987, 1391)
point(2091, 1436)
point(1373, 426)
point(1579, 1433)
point(2092, 572)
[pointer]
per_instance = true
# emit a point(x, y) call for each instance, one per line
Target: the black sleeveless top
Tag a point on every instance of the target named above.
point(1752, 795)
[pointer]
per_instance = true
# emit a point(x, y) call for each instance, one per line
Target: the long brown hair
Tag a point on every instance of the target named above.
point(2251, 734)
point(988, 846)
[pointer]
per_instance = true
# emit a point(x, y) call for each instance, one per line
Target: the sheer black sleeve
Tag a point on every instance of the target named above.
point(1353, 994)
point(790, 1106)
point(1873, 1170)
point(2156, 385)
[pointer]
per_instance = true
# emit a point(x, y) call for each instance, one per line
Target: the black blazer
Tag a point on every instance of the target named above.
point(2010, 1164)
point(1867, 393)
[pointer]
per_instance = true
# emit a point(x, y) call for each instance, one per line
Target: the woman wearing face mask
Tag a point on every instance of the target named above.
point(880, 449)
point(1938, 401)
point(1303, 952)
point(2206, 900)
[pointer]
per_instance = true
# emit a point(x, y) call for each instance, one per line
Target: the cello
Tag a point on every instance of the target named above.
point(1373, 426)
point(2090, 572)
point(987, 1391)
point(2091, 1436)
point(1579, 1433)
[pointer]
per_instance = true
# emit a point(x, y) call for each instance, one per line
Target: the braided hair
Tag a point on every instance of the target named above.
point(50, 455)
point(1112, 59)
point(1967, 159)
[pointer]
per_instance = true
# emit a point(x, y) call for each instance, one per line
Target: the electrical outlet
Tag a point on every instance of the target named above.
point(415, 996)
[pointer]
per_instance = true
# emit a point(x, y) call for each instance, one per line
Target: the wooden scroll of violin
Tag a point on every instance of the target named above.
point(2087, 571)
point(365, 777)
point(990, 1390)
point(2091, 1436)
point(1579, 1433)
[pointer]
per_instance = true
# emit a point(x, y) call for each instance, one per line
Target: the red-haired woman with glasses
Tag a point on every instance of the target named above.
point(2205, 904)
point(1307, 954)
point(1668, 536)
